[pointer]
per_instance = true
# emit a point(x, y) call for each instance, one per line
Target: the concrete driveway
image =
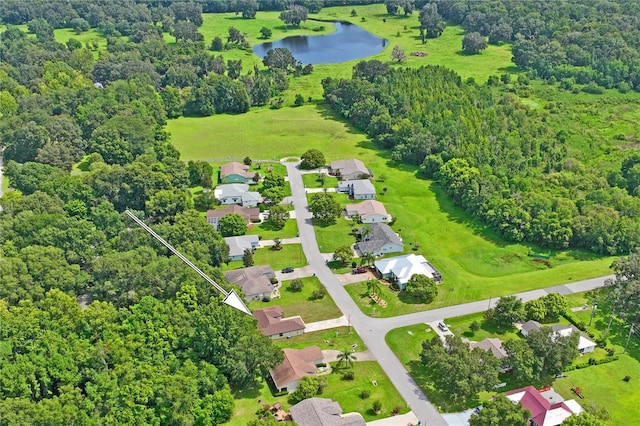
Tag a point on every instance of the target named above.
point(305, 271)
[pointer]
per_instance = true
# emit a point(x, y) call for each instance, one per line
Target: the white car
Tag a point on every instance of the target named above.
point(442, 326)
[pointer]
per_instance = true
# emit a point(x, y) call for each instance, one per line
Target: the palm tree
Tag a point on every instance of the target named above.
point(367, 259)
point(346, 357)
point(373, 286)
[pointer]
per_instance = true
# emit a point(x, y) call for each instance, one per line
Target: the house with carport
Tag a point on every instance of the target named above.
point(272, 323)
point(361, 189)
point(297, 363)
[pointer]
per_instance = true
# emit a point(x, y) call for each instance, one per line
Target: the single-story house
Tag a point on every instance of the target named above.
point(494, 346)
point(349, 169)
point(250, 214)
point(237, 193)
point(255, 282)
point(298, 363)
point(547, 407)
point(401, 268)
point(370, 211)
point(236, 173)
point(360, 189)
point(379, 239)
point(323, 412)
point(273, 325)
point(237, 245)
point(585, 345)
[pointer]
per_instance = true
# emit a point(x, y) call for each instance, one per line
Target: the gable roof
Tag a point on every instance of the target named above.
point(237, 245)
point(362, 186)
point(550, 411)
point(404, 267)
point(249, 213)
point(561, 330)
point(323, 412)
point(368, 208)
point(379, 235)
point(252, 280)
point(491, 344)
point(531, 325)
point(271, 322)
point(297, 364)
point(234, 168)
point(230, 190)
point(347, 167)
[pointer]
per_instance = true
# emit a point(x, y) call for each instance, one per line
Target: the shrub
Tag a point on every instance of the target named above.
point(273, 280)
point(611, 351)
point(627, 378)
point(296, 285)
point(364, 394)
point(318, 294)
point(348, 375)
point(475, 326)
point(377, 406)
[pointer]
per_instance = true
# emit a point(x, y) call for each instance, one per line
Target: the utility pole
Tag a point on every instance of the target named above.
point(628, 337)
point(593, 311)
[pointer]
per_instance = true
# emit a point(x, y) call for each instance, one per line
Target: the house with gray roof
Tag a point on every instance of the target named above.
point(349, 169)
point(237, 245)
point(361, 189)
point(237, 193)
point(379, 239)
point(370, 211)
point(400, 269)
point(585, 345)
point(323, 412)
point(236, 173)
point(274, 325)
point(255, 282)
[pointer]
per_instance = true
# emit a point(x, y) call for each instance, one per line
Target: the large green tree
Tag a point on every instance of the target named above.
point(421, 289)
point(312, 159)
point(325, 207)
point(232, 224)
point(501, 411)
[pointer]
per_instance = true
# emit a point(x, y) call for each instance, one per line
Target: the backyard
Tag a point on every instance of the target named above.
point(300, 302)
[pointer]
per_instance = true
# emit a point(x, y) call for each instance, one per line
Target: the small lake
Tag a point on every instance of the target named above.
point(347, 43)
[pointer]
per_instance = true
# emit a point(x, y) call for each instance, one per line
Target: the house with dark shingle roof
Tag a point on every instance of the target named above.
point(272, 323)
point(255, 282)
point(236, 173)
point(323, 412)
point(379, 239)
point(297, 363)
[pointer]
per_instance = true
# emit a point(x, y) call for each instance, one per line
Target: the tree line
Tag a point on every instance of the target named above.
point(494, 157)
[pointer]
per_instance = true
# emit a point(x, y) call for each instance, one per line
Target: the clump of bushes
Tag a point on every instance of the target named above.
point(364, 394)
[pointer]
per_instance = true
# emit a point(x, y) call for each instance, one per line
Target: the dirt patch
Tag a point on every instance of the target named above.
point(544, 262)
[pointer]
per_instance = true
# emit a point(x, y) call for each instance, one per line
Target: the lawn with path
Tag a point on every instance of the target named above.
point(339, 338)
point(299, 302)
point(268, 232)
point(312, 180)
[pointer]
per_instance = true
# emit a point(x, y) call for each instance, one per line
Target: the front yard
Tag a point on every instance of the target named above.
point(395, 306)
point(300, 303)
point(312, 180)
point(268, 232)
point(290, 255)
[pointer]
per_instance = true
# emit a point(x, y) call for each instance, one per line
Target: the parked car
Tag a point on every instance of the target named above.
point(287, 270)
point(477, 409)
point(442, 326)
point(359, 270)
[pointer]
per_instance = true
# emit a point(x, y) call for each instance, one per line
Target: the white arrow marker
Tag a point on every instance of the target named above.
point(231, 298)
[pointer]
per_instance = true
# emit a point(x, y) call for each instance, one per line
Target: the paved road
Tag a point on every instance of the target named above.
point(373, 330)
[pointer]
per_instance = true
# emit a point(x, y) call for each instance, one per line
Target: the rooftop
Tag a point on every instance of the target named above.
point(547, 407)
point(491, 344)
point(249, 213)
point(271, 322)
point(237, 245)
point(367, 208)
point(349, 166)
point(298, 363)
point(252, 280)
point(323, 412)
point(234, 168)
point(378, 235)
point(404, 267)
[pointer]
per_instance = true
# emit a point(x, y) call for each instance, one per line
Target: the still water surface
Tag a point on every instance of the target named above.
point(347, 43)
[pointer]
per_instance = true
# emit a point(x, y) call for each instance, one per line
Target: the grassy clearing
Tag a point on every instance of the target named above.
point(312, 180)
point(290, 255)
point(338, 338)
point(300, 303)
point(330, 237)
point(359, 293)
point(461, 326)
point(267, 232)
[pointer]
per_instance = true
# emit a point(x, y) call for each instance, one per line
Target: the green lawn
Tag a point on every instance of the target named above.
point(290, 255)
point(358, 292)
point(300, 303)
point(460, 326)
point(267, 232)
point(312, 181)
point(330, 237)
point(339, 338)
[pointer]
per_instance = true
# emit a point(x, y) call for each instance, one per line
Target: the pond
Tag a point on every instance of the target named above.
point(347, 43)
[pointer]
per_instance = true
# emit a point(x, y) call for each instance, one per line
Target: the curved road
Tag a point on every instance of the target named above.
point(373, 330)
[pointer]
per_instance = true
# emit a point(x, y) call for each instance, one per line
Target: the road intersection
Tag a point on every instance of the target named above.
point(372, 331)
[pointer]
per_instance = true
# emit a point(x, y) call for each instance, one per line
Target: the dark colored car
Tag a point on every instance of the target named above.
point(287, 270)
point(359, 270)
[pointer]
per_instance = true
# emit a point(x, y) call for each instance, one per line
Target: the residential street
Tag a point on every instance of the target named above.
point(373, 330)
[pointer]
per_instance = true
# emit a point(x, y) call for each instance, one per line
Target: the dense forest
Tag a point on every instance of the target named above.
point(495, 157)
